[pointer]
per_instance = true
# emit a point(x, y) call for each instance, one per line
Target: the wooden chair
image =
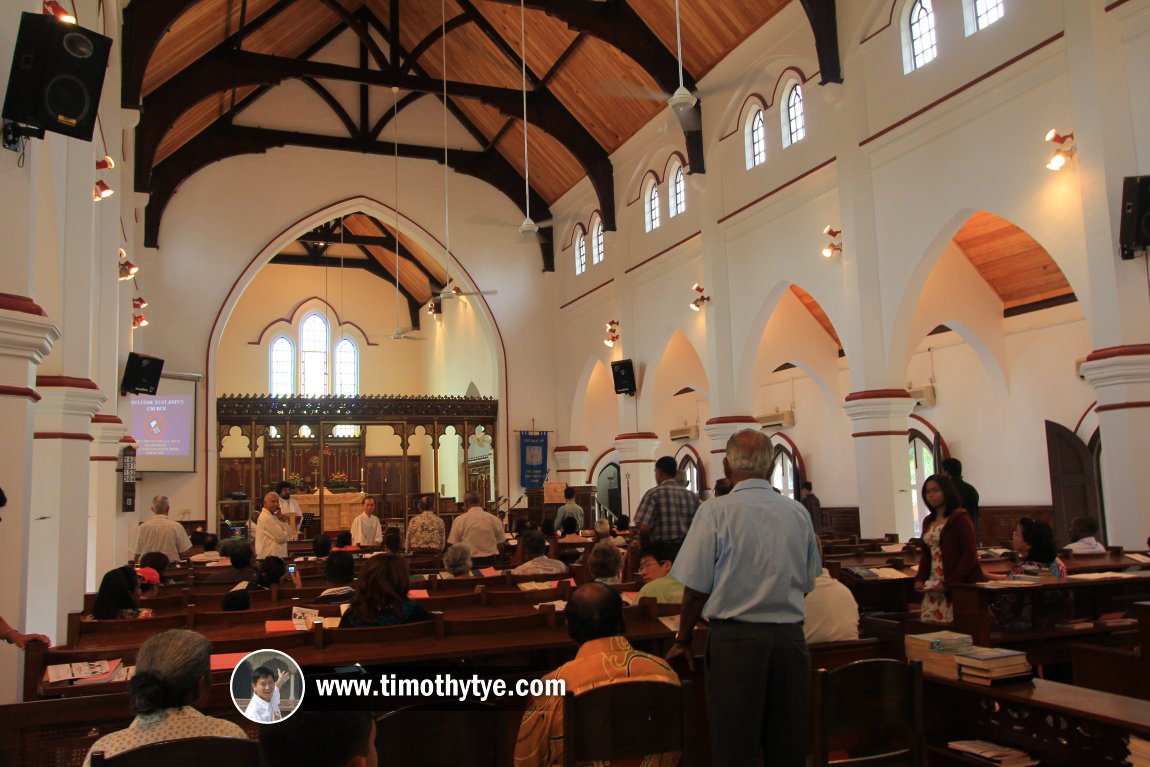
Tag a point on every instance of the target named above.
point(219, 752)
point(448, 601)
point(375, 634)
point(201, 619)
point(445, 732)
point(77, 627)
point(873, 708)
point(544, 617)
point(628, 719)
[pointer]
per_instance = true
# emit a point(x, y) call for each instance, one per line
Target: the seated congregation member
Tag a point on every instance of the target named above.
point(274, 570)
point(159, 562)
point(655, 562)
point(149, 583)
point(605, 561)
point(1082, 532)
point(832, 612)
point(160, 533)
point(622, 525)
point(239, 556)
point(535, 559)
point(236, 600)
point(321, 545)
point(1034, 541)
point(457, 562)
point(425, 531)
point(211, 550)
point(365, 528)
point(311, 738)
point(722, 487)
point(949, 552)
point(343, 542)
point(381, 599)
point(118, 596)
point(392, 541)
point(265, 703)
point(480, 530)
point(173, 674)
point(603, 533)
point(571, 531)
point(339, 574)
point(594, 620)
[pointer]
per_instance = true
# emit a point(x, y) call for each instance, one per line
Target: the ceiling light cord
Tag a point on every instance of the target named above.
point(395, 144)
point(523, 74)
point(678, 43)
point(446, 175)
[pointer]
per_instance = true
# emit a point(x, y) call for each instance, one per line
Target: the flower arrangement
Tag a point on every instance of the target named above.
point(296, 480)
point(337, 479)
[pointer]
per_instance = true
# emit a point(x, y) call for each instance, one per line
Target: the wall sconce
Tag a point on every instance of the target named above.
point(1065, 151)
point(833, 247)
point(53, 8)
point(700, 299)
point(612, 334)
point(139, 302)
point(101, 190)
point(127, 269)
point(139, 321)
point(106, 163)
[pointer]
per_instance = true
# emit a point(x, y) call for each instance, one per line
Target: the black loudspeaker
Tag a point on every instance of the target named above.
point(57, 74)
point(141, 374)
point(1134, 228)
point(624, 374)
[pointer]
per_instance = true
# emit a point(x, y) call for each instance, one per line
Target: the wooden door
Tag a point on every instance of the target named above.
point(1073, 481)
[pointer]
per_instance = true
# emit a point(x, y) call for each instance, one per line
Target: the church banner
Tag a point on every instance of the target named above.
point(533, 458)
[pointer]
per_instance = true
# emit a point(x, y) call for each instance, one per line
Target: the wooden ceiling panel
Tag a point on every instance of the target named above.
point(488, 120)
point(604, 89)
point(412, 278)
point(710, 30)
point(471, 58)
point(191, 123)
point(1013, 264)
point(420, 18)
point(553, 169)
point(547, 38)
point(817, 312)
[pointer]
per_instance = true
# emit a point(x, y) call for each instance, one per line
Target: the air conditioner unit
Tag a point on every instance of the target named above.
point(684, 433)
point(779, 420)
point(923, 396)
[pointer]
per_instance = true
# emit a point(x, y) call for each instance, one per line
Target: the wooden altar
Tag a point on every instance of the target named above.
point(394, 448)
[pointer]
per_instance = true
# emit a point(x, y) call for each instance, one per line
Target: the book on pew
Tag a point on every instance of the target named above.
point(85, 672)
point(861, 572)
point(1139, 558)
point(1022, 673)
point(937, 640)
point(994, 753)
point(990, 657)
point(1138, 752)
point(1075, 624)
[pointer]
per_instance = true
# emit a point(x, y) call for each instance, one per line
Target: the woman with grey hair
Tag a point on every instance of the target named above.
point(457, 562)
point(605, 561)
point(173, 672)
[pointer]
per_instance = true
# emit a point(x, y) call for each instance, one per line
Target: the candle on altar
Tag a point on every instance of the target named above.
point(283, 473)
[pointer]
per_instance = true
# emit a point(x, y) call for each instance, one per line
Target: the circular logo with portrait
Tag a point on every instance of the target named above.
point(267, 686)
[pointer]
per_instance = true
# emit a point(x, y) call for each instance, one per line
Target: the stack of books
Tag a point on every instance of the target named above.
point(992, 665)
point(937, 651)
point(994, 753)
point(1139, 755)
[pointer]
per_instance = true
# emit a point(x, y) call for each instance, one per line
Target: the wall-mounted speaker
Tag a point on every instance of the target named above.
point(141, 374)
point(624, 374)
point(1134, 227)
point(57, 74)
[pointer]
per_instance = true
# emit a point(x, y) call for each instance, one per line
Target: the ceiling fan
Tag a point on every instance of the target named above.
point(400, 333)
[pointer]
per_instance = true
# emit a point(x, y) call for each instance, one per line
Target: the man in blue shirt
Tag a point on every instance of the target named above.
point(747, 563)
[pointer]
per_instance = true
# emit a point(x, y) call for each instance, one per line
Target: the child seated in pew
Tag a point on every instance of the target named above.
point(118, 596)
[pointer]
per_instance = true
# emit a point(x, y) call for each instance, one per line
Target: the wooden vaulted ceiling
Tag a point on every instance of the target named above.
point(597, 71)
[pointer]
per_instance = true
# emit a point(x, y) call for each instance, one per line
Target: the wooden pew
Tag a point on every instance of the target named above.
point(1120, 666)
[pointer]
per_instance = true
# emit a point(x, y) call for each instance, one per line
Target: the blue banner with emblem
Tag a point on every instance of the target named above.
point(532, 458)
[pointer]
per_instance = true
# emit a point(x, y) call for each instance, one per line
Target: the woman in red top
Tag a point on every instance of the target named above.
point(949, 551)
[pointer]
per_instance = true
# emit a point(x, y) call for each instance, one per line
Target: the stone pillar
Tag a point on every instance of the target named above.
point(109, 531)
point(637, 455)
point(719, 430)
point(58, 539)
point(1120, 376)
point(880, 434)
point(571, 464)
point(26, 337)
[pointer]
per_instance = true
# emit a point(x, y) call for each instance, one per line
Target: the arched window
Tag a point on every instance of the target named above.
point(921, 467)
point(796, 125)
point(313, 356)
point(651, 207)
point(280, 368)
point(783, 472)
point(980, 14)
point(756, 140)
point(689, 470)
point(580, 253)
point(922, 42)
point(346, 368)
point(597, 241)
point(678, 196)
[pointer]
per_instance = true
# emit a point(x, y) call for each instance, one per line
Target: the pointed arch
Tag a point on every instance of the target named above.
point(679, 366)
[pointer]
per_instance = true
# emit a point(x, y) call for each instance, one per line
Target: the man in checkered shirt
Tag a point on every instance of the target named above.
point(666, 511)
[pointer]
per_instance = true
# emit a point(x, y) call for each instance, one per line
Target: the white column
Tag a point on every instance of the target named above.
point(1120, 376)
point(879, 418)
point(58, 537)
point(719, 430)
point(636, 466)
point(109, 531)
point(26, 336)
point(571, 464)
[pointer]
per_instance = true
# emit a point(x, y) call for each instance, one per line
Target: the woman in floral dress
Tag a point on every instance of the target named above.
point(949, 551)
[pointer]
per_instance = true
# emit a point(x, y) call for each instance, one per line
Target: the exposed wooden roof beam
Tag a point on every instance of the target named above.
point(821, 15)
point(370, 265)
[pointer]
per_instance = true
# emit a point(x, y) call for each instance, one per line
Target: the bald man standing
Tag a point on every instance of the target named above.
point(272, 530)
